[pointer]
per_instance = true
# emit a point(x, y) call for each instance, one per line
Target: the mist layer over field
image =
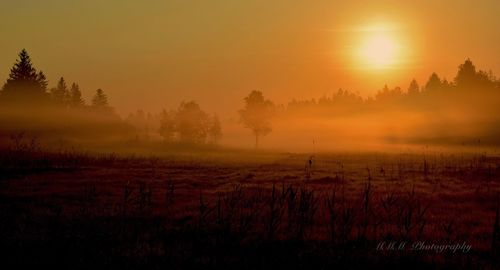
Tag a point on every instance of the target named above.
point(463, 113)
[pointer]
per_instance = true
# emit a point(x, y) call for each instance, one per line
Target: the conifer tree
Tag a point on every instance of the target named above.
point(60, 94)
point(100, 100)
point(76, 96)
point(413, 89)
point(24, 83)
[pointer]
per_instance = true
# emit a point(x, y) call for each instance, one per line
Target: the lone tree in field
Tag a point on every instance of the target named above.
point(256, 115)
point(24, 82)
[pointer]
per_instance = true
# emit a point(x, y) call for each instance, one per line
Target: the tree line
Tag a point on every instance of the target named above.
point(190, 124)
point(27, 86)
point(473, 92)
point(186, 124)
point(26, 89)
point(468, 82)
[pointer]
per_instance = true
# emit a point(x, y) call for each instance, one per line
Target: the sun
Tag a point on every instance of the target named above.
point(378, 50)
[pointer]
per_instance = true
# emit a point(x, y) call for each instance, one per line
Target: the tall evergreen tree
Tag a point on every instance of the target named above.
point(434, 83)
point(100, 100)
point(466, 75)
point(76, 96)
point(42, 81)
point(413, 89)
point(60, 94)
point(24, 83)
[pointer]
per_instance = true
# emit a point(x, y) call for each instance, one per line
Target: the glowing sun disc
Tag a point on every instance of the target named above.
point(378, 50)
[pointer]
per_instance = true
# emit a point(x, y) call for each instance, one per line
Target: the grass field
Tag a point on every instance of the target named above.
point(250, 210)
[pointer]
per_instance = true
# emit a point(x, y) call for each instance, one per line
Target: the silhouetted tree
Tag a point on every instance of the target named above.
point(257, 114)
point(214, 130)
point(100, 100)
point(167, 125)
point(42, 81)
point(413, 89)
point(60, 94)
point(387, 95)
point(75, 99)
point(24, 83)
point(446, 85)
point(383, 94)
point(191, 123)
point(466, 75)
point(434, 83)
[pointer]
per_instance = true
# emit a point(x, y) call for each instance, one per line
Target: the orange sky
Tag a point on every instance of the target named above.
point(154, 54)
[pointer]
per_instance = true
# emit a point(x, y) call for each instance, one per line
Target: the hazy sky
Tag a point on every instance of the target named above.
point(154, 54)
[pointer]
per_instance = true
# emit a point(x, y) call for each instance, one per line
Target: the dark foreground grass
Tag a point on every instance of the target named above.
point(80, 211)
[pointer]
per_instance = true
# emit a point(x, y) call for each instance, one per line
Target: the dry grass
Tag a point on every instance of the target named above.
point(129, 211)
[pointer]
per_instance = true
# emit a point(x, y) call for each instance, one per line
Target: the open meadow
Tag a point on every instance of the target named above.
point(246, 209)
point(247, 134)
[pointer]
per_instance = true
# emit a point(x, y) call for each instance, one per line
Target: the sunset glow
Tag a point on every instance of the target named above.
point(379, 50)
point(188, 134)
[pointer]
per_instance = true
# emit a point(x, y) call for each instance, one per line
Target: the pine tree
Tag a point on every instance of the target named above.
point(60, 94)
point(467, 75)
point(434, 83)
point(42, 81)
point(413, 89)
point(24, 83)
point(76, 96)
point(100, 100)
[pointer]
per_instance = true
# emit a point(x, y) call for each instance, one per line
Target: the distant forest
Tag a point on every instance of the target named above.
point(468, 82)
point(459, 111)
point(27, 104)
